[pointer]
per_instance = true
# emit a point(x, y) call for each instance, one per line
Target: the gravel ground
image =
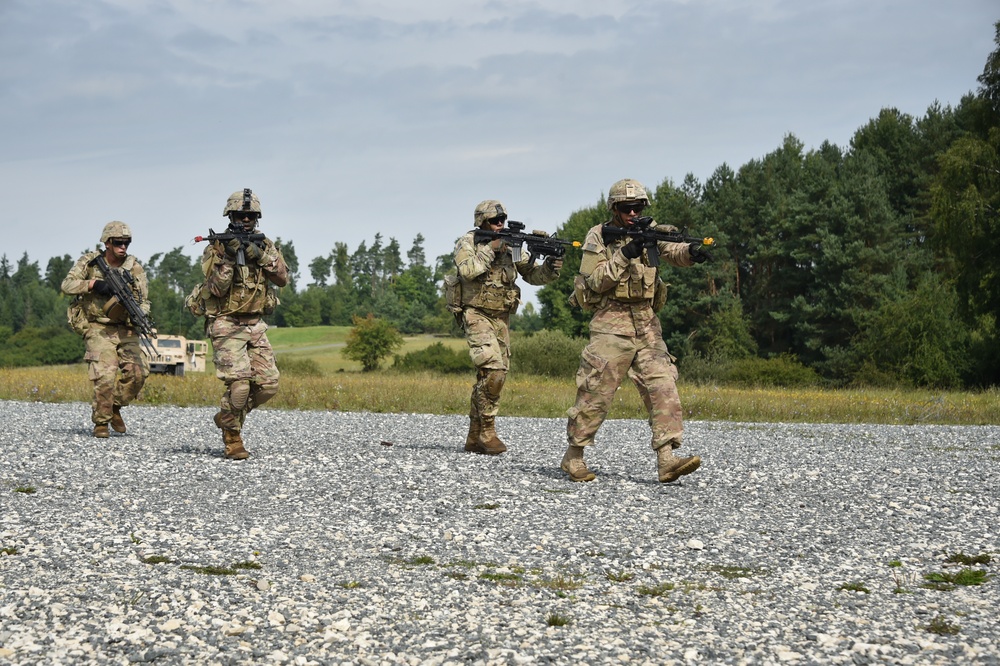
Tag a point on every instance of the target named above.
point(374, 539)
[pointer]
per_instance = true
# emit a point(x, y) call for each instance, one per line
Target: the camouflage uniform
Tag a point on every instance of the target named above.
point(234, 300)
point(625, 340)
point(489, 295)
point(115, 362)
point(625, 337)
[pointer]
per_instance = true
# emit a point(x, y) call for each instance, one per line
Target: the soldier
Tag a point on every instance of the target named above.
point(115, 362)
point(489, 295)
point(233, 298)
point(624, 294)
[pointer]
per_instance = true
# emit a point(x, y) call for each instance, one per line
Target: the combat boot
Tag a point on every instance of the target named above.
point(234, 445)
point(574, 465)
point(472, 439)
point(117, 422)
point(670, 467)
point(101, 431)
point(488, 442)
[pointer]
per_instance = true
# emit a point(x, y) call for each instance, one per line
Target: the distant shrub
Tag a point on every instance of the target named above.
point(371, 340)
point(435, 358)
point(696, 368)
point(778, 371)
point(548, 352)
point(41, 346)
point(298, 367)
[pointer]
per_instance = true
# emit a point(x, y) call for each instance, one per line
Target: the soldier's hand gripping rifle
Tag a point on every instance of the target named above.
point(235, 232)
point(538, 244)
point(121, 284)
point(646, 233)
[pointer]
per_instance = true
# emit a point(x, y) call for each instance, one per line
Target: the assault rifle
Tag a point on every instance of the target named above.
point(644, 230)
point(121, 283)
point(514, 236)
point(237, 232)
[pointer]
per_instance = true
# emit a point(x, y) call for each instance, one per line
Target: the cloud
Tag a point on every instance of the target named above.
point(122, 106)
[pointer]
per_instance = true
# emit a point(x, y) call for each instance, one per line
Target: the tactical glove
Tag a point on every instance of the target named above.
point(253, 252)
point(103, 288)
point(555, 263)
point(698, 255)
point(633, 249)
point(233, 246)
point(498, 245)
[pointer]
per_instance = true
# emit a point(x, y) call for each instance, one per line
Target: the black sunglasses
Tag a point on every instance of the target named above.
point(241, 214)
point(499, 219)
point(636, 207)
point(121, 242)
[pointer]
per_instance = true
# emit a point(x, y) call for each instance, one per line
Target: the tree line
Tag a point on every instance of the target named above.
point(873, 263)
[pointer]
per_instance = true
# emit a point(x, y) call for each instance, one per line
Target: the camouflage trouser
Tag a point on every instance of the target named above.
point(244, 360)
point(603, 366)
point(116, 366)
point(489, 347)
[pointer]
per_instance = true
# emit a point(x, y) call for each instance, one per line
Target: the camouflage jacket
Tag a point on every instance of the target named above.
point(241, 290)
point(488, 279)
point(625, 293)
point(91, 305)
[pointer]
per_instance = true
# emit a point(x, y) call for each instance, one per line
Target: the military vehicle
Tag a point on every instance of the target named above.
point(176, 355)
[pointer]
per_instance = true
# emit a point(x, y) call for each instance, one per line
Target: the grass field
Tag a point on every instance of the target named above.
point(323, 344)
point(341, 386)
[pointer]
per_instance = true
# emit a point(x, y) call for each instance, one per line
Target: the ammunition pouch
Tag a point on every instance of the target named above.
point(584, 297)
point(115, 311)
point(77, 318)
point(270, 301)
point(453, 293)
point(195, 302)
point(660, 294)
point(496, 298)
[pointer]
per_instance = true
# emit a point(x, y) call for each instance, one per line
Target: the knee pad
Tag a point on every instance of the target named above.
point(263, 393)
point(239, 394)
point(494, 383)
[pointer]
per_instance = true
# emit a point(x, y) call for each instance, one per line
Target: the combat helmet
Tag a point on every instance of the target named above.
point(488, 210)
point(627, 189)
point(242, 200)
point(115, 229)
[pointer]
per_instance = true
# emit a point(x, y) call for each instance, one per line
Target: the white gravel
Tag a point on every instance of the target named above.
point(380, 541)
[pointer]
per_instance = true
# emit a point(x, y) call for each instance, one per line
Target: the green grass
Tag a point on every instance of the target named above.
point(157, 559)
point(341, 386)
point(655, 590)
point(942, 626)
point(619, 576)
point(556, 620)
point(323, 345)
point(962, 558)
point(209, 570)
point(731, 572)
point(855, 586)
point(420, 560)
point(946, 580)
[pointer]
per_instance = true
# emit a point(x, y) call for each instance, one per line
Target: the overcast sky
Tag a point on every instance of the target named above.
point(349, 117)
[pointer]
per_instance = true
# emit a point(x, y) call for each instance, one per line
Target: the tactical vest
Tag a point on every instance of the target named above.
point(639, 283)
point(495, 290)
point(94, 307)
point(249, 294)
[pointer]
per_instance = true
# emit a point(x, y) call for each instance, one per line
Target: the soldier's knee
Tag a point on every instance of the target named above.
point(494, 382)
point(239, 393)
point(264, 392)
